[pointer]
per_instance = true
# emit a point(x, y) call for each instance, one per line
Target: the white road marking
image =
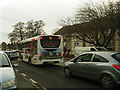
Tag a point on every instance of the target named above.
point(29, 81)
point(16, 70)
point(23, 74)
point(33, 81)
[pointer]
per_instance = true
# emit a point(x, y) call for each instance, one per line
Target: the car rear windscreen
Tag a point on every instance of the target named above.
point(116, 56)
point(50, 41)
point(101, 49)
point(12, 53)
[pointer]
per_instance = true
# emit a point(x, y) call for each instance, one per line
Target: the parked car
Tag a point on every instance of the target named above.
point(79, 50)
point(19, 53)
point(101, 66)
point(12, 55)
point(7, 74)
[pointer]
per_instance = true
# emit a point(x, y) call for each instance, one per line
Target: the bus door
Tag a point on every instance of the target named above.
point(33, 50)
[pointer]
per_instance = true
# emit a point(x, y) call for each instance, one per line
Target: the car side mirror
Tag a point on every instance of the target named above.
point(72, 61)
point(15, 65)
point(75, 60)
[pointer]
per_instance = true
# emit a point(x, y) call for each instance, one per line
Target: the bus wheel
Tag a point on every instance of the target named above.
point(21, 57)
point(29, 60)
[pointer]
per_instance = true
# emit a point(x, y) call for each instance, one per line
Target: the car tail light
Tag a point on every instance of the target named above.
point(61, 54)
point(39, 55)
point(116, 66)
point(23, 51)
point(20, 41)
point(59, 38)
point(40, 37)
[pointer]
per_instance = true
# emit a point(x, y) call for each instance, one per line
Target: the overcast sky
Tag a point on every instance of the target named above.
point(13, 11)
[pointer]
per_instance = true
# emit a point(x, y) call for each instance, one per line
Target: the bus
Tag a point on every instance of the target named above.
point(42, 49)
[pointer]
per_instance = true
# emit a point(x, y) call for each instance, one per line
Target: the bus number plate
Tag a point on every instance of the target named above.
point(50, 62)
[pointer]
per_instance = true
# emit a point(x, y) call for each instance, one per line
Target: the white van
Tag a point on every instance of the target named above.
point(79, 50)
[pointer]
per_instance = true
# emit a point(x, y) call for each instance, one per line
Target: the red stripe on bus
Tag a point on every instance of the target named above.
point(35, 59)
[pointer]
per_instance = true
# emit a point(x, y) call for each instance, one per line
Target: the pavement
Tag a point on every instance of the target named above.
point(67, 59)
point(64, 60)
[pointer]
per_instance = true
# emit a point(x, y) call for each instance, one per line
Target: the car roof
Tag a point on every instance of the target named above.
point(102, 53)
point(9, 51)
point(1, 52)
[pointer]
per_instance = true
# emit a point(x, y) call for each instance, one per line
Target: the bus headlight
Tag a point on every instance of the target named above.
point(9, 83)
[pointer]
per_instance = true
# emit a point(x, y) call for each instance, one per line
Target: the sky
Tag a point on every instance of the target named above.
point(13, 11)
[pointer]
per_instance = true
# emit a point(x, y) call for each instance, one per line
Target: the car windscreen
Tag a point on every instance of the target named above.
point(116, 56)
point(101, 49)
point(50, 41)
point(4, 61)
point(12, 53)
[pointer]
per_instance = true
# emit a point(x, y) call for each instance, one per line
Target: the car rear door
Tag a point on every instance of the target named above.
point(96, 66)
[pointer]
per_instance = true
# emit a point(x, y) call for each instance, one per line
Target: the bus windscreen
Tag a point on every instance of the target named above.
point(50, 41)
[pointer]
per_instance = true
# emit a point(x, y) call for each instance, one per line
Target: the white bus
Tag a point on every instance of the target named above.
point(42, 49)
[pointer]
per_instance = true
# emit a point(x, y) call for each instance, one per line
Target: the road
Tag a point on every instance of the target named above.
point(48, 77)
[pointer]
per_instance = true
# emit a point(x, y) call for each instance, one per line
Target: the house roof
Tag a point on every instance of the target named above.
point(74, 28)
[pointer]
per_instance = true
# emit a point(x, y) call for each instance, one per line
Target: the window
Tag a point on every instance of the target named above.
point(116, 56)
point(4, 61)
point(84, 58)
point(98, 58)
point(92, 49)
point(76, 43)
point(50, 41)
point(101, 49)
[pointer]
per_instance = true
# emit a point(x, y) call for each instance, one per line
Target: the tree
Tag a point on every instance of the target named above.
point(19, 28)
point(96, 24)
point(67, 21)
point(103, 20)
point(17, 33)
point(26, 30)
point(34, 28)
point(55, 30)
point(118, 4)
point(4, 46)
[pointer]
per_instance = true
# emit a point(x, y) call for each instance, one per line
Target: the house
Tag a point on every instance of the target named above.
point(70, 42)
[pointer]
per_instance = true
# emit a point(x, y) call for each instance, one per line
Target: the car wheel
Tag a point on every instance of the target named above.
point(21, 58)
point(107, 81)
point(67, 72)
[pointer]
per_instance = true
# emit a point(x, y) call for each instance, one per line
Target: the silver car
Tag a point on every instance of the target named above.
point(101, 66)
point(7, 74)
